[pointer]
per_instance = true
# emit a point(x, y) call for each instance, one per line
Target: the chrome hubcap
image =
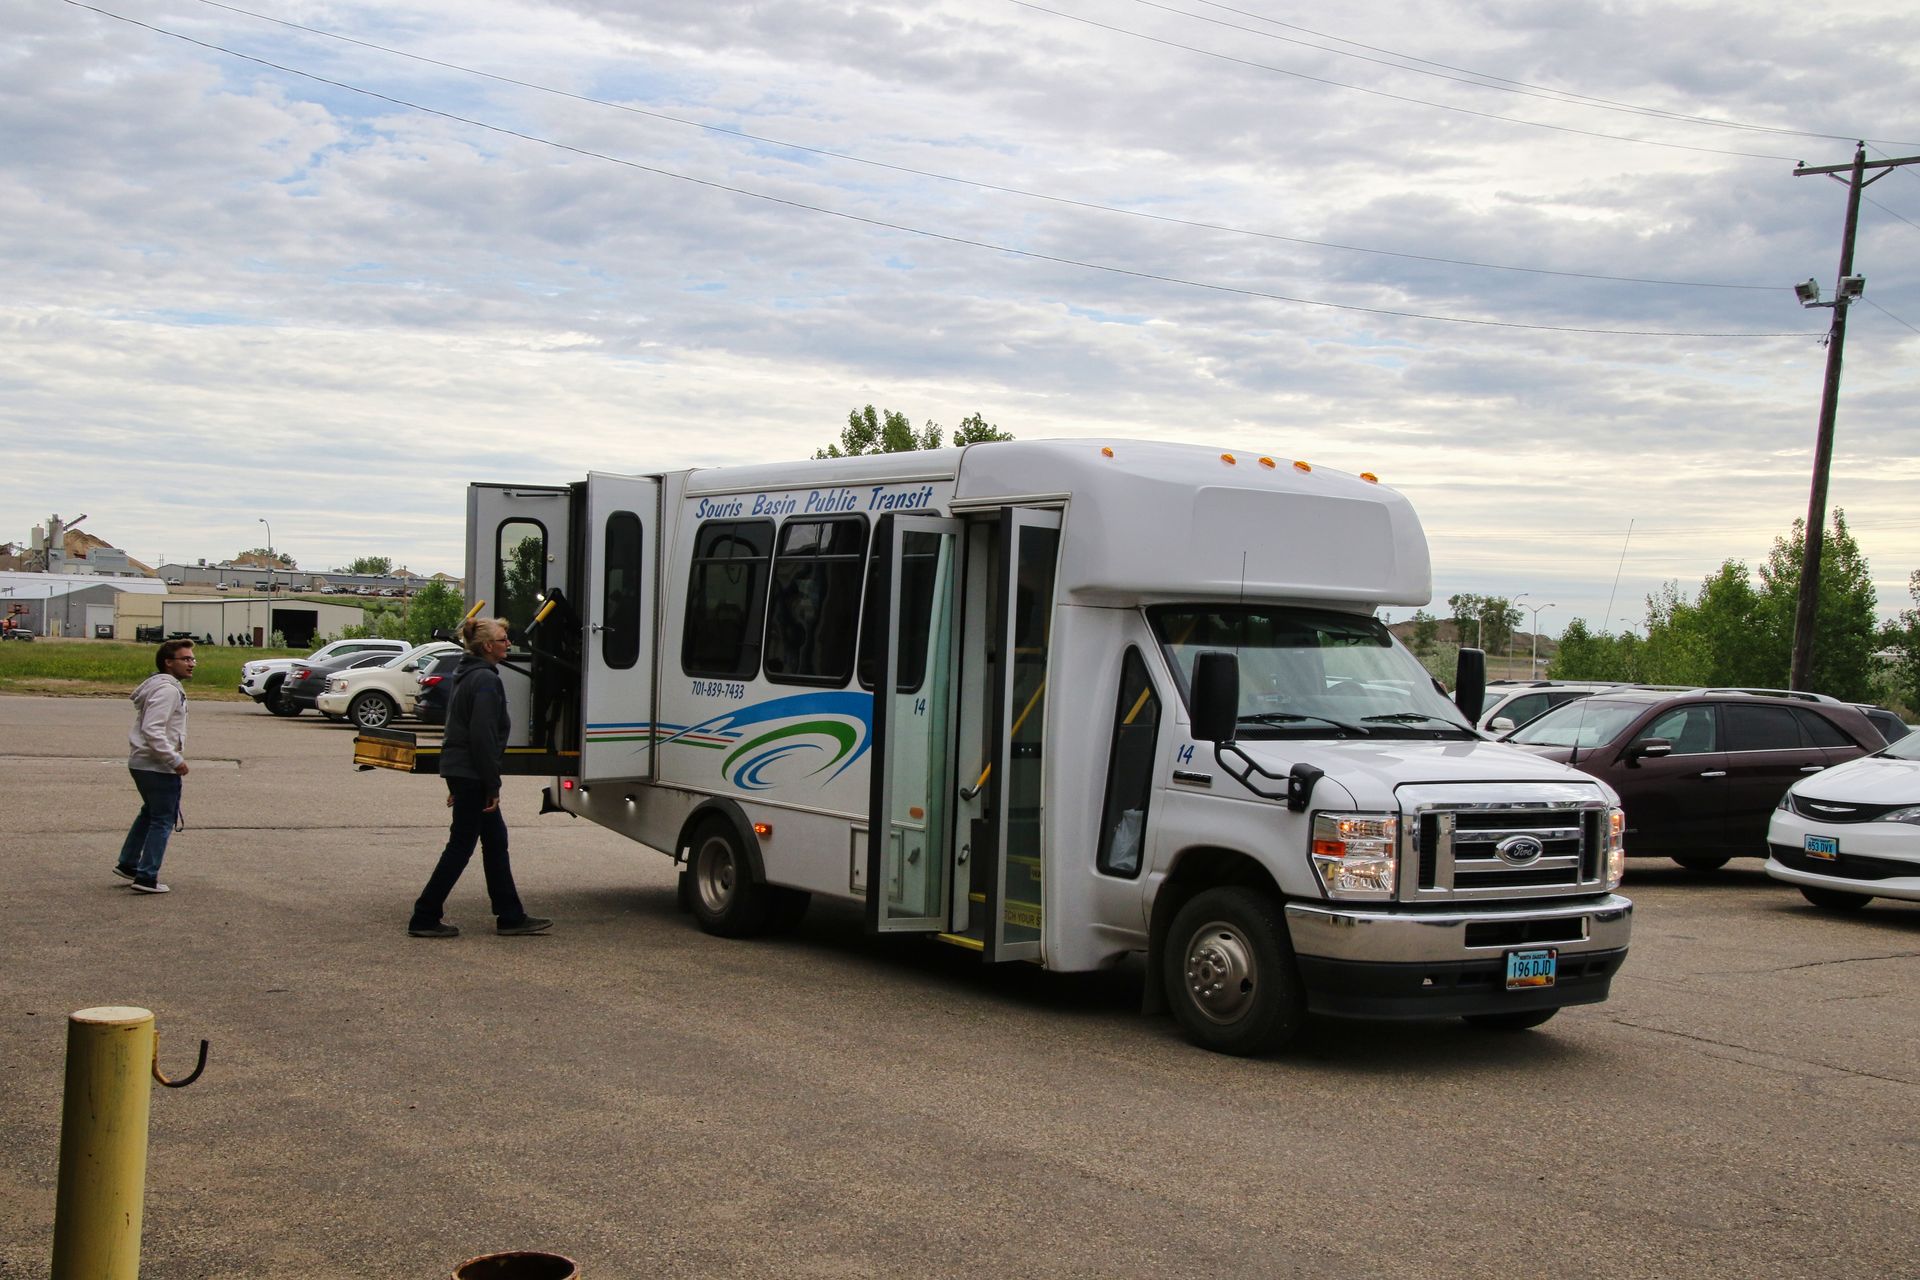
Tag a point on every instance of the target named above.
point(1221, 975)
point(714, 873)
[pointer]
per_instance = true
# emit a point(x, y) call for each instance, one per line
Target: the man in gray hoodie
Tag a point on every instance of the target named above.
point(157, 759)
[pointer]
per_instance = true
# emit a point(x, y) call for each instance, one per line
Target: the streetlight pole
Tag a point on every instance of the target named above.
point(1533, 663)
point(1510, 605)
point(264, 520)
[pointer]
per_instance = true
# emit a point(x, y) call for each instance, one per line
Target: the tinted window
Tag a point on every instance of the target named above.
point(726, 598)
point(1690, 729)
point(815, 610)
point(919, 567)
point(520, 573)
point(1524, 708)
point(1817, 730)
point(1751, 728)
point(620, 592)
point(1136, 727)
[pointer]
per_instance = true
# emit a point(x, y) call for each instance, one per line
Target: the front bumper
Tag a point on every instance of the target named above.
point(333, 704)
point(1880, 859)
point(1369, 963)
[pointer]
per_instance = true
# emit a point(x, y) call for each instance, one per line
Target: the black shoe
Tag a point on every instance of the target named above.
point(123, 873)
point(439, 929)
point(531, 924)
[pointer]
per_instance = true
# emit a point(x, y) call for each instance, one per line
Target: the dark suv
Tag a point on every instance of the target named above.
point(1700, 771)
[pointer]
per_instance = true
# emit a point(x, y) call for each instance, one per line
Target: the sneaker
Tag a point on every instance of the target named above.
point(438, 930)
point(149, 886)
point(123, 873)
point(532, 924)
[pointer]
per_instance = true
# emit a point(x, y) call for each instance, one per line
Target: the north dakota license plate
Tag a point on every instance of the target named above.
point(1531, 968)
point(1825, 848)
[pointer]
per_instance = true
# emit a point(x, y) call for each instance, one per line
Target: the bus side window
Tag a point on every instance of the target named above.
point(1136, 728)
point(816, 601)
point(726, 599)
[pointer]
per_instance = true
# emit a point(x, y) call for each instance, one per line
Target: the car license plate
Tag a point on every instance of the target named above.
point(1825, 848)
point(1531, 968)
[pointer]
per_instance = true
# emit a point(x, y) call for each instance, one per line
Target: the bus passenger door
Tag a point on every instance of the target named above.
point(910, 846)
point(1029, 546)
point(517, 546)
point(620, 596)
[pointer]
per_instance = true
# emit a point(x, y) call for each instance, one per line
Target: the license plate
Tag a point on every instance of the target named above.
point(1531, 968)
point(1825, 848)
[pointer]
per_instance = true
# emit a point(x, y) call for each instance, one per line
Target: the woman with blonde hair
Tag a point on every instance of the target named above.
point(470, 758)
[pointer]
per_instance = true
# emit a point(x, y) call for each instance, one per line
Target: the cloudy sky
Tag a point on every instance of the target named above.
point(325, 263)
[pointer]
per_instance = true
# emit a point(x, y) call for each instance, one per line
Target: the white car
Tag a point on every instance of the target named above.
point(1511, 703)
point(1851, 833)
point(261, 679)
point(374, 697)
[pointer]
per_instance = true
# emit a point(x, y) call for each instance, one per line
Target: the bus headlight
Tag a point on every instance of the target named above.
point(1616, 847)
point(1356, 855)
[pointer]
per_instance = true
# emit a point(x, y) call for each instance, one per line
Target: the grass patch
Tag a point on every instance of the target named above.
point(112, 668)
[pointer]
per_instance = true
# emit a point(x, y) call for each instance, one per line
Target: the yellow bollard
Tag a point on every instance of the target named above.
point(103, 1144)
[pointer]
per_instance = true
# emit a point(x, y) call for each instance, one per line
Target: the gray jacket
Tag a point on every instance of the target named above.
point(158, 743)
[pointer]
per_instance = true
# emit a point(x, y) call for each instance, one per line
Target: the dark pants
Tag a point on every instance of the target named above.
point(146, 842)
point(470, 824)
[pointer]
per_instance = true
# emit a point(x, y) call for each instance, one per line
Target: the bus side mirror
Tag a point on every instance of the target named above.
point(1216, 696)
point(1470, 684)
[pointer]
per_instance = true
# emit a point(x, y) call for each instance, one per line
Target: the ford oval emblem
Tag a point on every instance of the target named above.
point(1518, 851)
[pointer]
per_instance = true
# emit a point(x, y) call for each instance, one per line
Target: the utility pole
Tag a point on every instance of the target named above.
point(1847, 287)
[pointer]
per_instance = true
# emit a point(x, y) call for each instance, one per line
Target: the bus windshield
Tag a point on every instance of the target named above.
point(1311, 672)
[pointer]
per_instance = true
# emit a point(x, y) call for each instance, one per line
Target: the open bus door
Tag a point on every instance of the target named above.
point(621, 595)
point(519, 538)
point(965, 689)
point(910, 844)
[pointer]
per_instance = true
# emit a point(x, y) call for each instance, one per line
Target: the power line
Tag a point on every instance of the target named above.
point(1478, 79)
point(1198, 224)
point(1029, 254)
point(1395, 97)
point(1883, 311)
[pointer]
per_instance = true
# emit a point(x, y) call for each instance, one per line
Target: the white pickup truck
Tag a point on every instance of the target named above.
point(261, 679)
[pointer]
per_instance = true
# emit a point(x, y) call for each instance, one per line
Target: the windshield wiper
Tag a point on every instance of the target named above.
point(1289, 717)
point(1408, 717)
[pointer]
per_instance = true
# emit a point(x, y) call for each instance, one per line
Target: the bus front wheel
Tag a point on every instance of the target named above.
point(1229, 973)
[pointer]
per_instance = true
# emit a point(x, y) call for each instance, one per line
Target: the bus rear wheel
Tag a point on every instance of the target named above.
point(1229, 973)
point(725, 899)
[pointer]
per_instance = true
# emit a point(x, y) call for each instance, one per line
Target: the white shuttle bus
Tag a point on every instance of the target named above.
point(1056, 702)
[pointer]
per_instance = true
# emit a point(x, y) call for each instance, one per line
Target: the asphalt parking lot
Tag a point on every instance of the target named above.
point(655, 1102)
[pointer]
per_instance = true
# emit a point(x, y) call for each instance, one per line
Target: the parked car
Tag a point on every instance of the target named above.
point(374, 697)
point(436, 688)
point(1699, 771)
point(1511, 703)
point(1891, 726)
point(308, 680)
point(1852, 833)
point(262, 678)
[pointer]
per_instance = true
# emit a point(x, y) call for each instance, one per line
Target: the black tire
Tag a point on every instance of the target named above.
point(1702, 861)
point(1229, 973)
point(726, 900)
point(1519, 1020)
point(1835, 899)
point(276, 702)
point(372, 709)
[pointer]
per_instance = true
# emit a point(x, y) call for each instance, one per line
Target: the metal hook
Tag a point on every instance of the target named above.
point(198, 1067)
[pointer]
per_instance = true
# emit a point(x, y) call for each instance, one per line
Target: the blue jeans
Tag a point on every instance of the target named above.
point(146, 841)
point(470, 825)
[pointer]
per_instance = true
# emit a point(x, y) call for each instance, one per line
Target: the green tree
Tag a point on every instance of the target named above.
point(435, 606)
point(1846, 614)
point(374, 565)
point(261, 557)
point(1426, 632)
point(1485, 622)
point(889, 431)
point(526, 579)
point(1590, 655)
point(1902, 636)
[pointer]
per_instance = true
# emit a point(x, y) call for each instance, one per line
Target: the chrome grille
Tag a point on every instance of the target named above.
point(1520, 840)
